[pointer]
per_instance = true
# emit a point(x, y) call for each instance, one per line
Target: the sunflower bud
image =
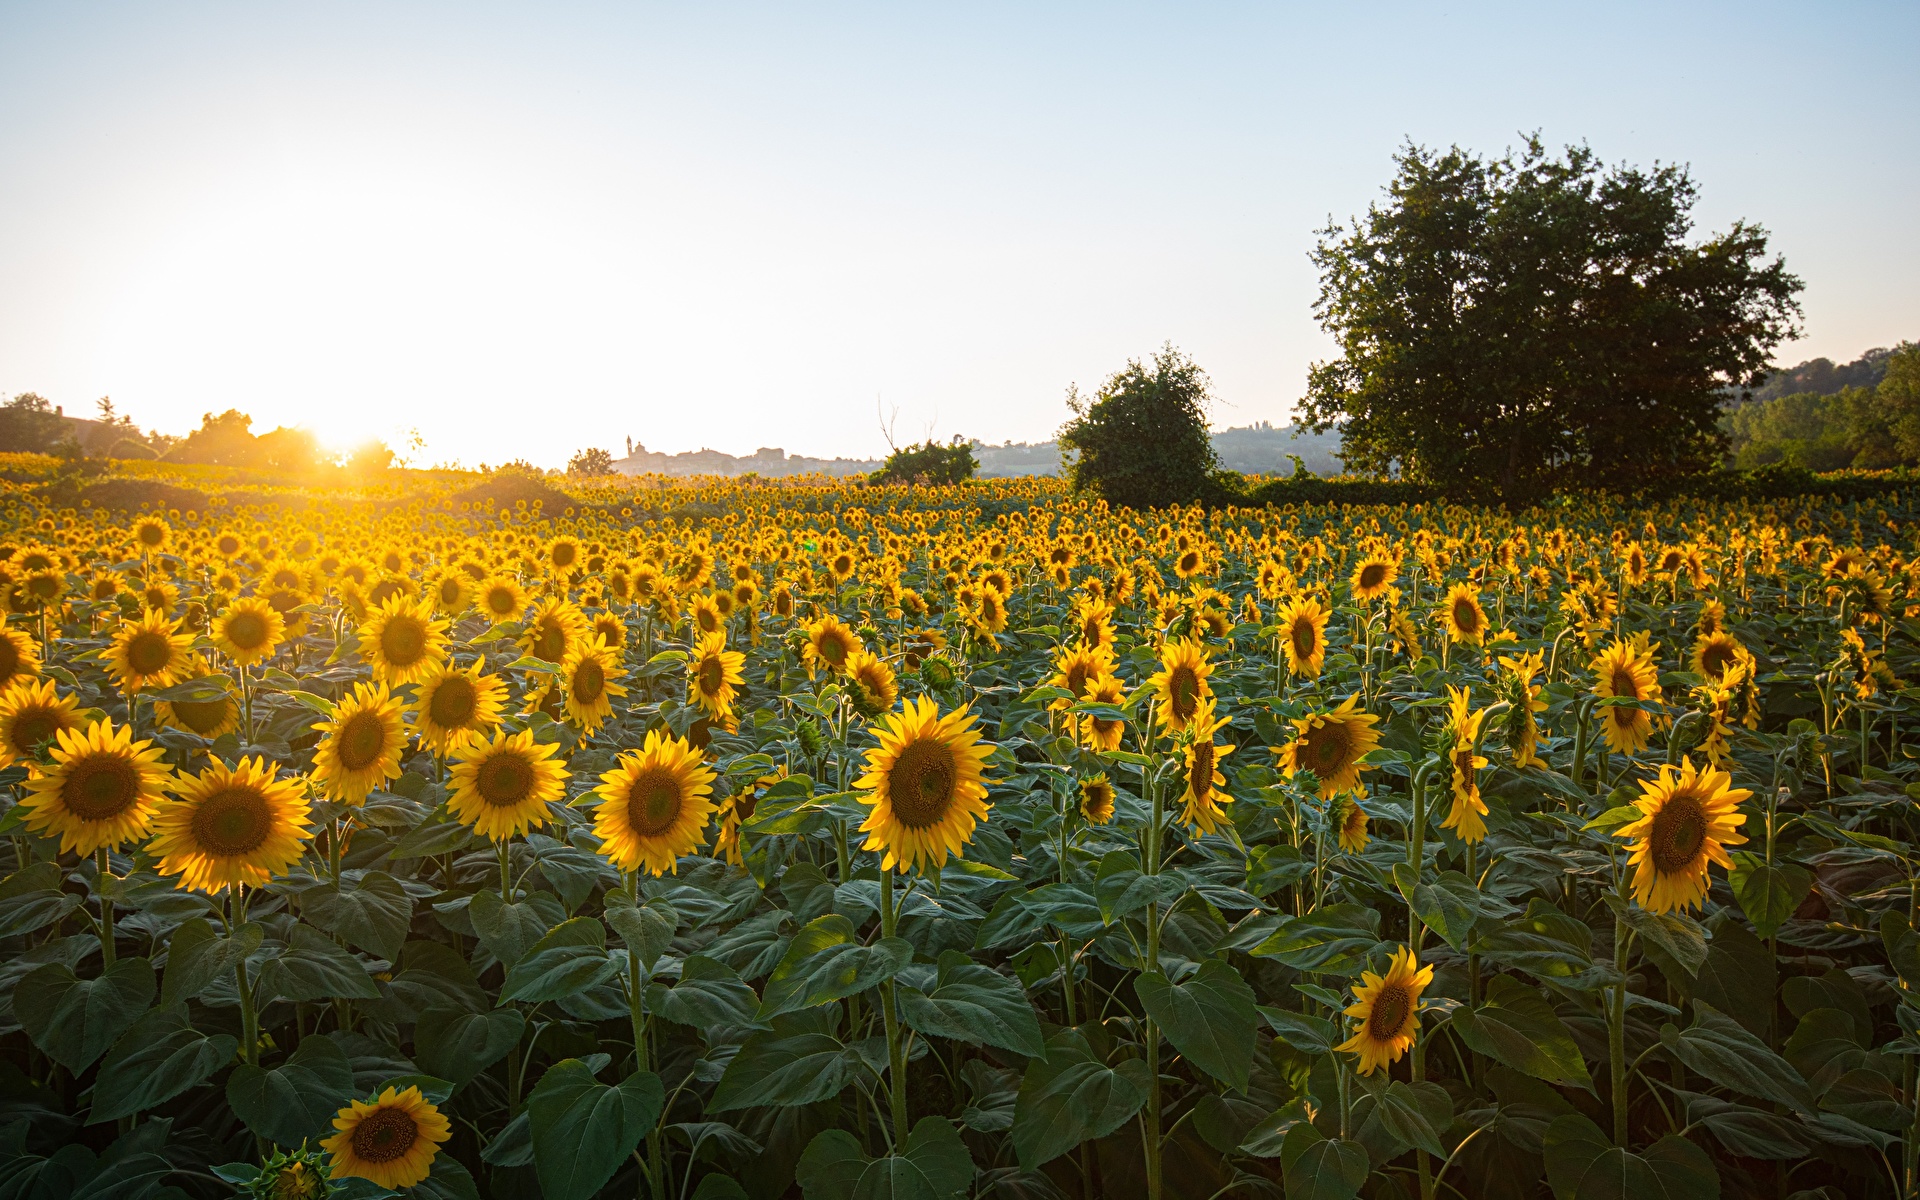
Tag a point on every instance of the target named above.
point(812, 743)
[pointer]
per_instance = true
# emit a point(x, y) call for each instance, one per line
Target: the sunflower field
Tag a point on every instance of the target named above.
point(848, 843)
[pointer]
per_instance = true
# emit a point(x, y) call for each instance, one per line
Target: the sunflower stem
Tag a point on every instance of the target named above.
point(637, 1011)
point(249, 1019)
point(1154, 1181)
point(1617, 1029)
point(506, 871)
point(105, 886)
point(896, 1049)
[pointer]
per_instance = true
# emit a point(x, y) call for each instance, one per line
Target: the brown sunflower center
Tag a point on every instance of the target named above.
point(32, 727)
point(233, 821)
point(100, 787)
point(361, 741)
point(9, 658)
point(1716, 658)
point(550, 642)
point(1183, 692)
point(564, 554)
point(454, 702)
point(384, 1135)
point(589, 681)
point(1372, 575)
point(505, 779)
point(921, 783)
point(449, 591)
point(404, 641)
point(1077, 679)
point(1466, 616)
point(713, 676)
point(203, 717)
point(1329, 748)
point(500, 602)
point(1679, 830)
point(1305, 639)
point(1625, 684)
point(834, 649)
point(1392, 1005)
point(148, 652)
point(247, 630)
point(152, 536)
point(654, 802)
point(1200, 777)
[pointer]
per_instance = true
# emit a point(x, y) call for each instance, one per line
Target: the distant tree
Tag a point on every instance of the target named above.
point(30, 423)
point(1511, 326)
point(294, 451)
point(590, 463)
point(225, 440)
point(1871, 428)
point(929, 463)
point(1141, 441)
point(370, 458)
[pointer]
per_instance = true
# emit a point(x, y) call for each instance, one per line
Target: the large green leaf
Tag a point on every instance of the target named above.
point(974, 1003)
point(1747, 1132)
point(1210, 1018)
point(75, 1020)
point(31, 898)
point(584, 1129)
point(933, 1164)
point(1716, 1046)
point(508, 931)
point(373, 914)
point(777, 1068)
point(1768, 893)
point(161, 1056)
point(708, 993)
point(825, 962)
point(571, 958)
point(1121, 890)
point(1583, 1165)
point(1675, 934)
point(1334, 939)
point(1517, 1026)
point(313, 966)
point(1069, 1096)
point(1448, 905)
point(1316, 1167)
point(457, 1045)
point(196, 956)
point(647, 929)
point(296, 1100)
point(1738, 976)
point(1304, 1032)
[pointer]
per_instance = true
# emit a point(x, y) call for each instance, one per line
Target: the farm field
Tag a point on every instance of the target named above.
point(461, 837)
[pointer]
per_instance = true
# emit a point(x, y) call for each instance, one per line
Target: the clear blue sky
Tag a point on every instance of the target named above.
point(528, 228)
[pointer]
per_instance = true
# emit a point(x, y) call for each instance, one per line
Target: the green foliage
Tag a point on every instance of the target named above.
point(29, 423)
point(930, 464)
point(590, 463)
point(1141, 441)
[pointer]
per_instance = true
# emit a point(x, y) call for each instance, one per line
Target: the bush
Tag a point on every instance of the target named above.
point(1142, 441)
point(930, 464)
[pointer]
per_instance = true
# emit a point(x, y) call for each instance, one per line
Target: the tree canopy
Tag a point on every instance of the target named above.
point(1141, 441)
point(1867, 427)
point(928, 463)
point(1513, 325)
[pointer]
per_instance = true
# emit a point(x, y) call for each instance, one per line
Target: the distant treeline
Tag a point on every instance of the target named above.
point(1863, 414)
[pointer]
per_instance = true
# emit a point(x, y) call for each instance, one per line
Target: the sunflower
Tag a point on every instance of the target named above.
point(1094, 621)
point(1523, 732)
point(655, 805)
point(101, 788)
point(1687, 820)
point(1463, 727)
point(555, 625)
point(1181, 684)
point(249, 630)
point(502, 785)
point(1096, 799)
point(453, 706)
point(990, 613)
point(590, 674)
point(32, 713)
point(19, 657)
point(232, 826)
point(452, 591)
point(1103, 733)
point(1715, 653)
point(1349, 822)
point(1201, 802)
point(1633, 565)
point(1075, 669)
point(1462, 616)
point(735, 811)
point(706, 616)
point(873, 684)
point(829, 644)
point(1332, 745)
point(152, 534)
point(923, 782)
point(391, 1140)
point(149, 652)
point(360, 746)
point(610, 629)
point(1388, 1012)
point(1372, 577)
point(713, 671)
point(1627, 671)
point(1303, 635)
point(403, 640)
point(207, 718)
point(501, 599)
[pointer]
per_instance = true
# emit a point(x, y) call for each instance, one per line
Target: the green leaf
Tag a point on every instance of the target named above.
point(1315, 1167)
point(314, 967)
point(647, 929)
point(161, 1056)
point(1409, 1117)
point(1068, 1097)
point(373, 914)
point(1334, 939)
point(443, 836)
point(709, 993)
point(974, 1003)
point(933, 1164)
point(1210, 1018)
point(196, 956)
point(1738, 976)
point(1121, 890)
point(1747, 1132)
point(1614, 818)
point(1448, 906)
point(75, 1020)
point(296, 1100)
point(458, 1045)
point(1676, 934)
point(1304, 1032)
point(1768, 894)
point(783, 1069)
point(1716, 1046)
point(1583, 1165)
point(508, 931)
point(825, 962)
point(1516, 1026)
point(1902, 945)
point(583, 1129)
point(571, 958)
point(31, 899)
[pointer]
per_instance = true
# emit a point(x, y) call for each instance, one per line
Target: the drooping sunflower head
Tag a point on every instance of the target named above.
point(1688, 819)
point(1303, 635)
point(655, 805)
point(1349, 822)
point(232, 826)
point(1203, 799)
point(32, 714)
point(151, 652)
point(1181, 684)
point(390, 1140)
point(502, 785)
point(1387, 1009)
point(1715, 653)
point(1462, 616)
point(713, 674)
point(830, 644)
point(1332, 745)
point(1096, 799)
point(360, 746)
point(590, 674)
point(925, 784)
point(454, 705)
point(403, 640)
point(101, 788)
point(249, 630)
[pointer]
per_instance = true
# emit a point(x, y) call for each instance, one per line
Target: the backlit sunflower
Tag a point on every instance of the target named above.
point(1523, 732)
point(1462, 616)
point(713, 672)
point(452, 591)
point(101, 788)
point(19, 657)
point(1627, 671)
point(1181, 684)
point(454, 705)
point(208, 718)
point(829, 644)
point(360, 746)
point(502, 785)
point(1688, 819)
point(151, 652)
point(1103, 733)
point(1096, 799)
point(1466, 817)
point(655, 805)
point(1372, 576)
point(1387, 1010)
point(736, 810)
point(924, 785)
point(1303, 635)
point(232, 826)
point(706, 617)
point(1349, 823)
point(31, 713)
point(249, 630)
point(590, 674)
point(1074, 671)
point(1203, 799)
point(552, 629)
point(1094, 621)
point(1331, 745)
point(1714, 653)
point(872, 684)
point(501, 599)
point(391, 1140)
point(403, 640)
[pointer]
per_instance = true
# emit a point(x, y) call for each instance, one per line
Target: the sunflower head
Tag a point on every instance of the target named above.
point(1462, 616)
point(655, 805)
point(1332, 745)
point(404, 640)
point(590, 676)
point(390, 1140)
point(1386, 1011)
point(1688, 818)
point(454, 705)
point(19, 657)
point(360, 746)
point(1303, 635)
point(1372, 576)
point(830, 644)
point(101, 788)
point(1181, 685)
point(1096, 799)
point(871, 683)
point(32, 714)
point(1626, 670)
point(249, 630)
point(149, 652)
point(232, 826)
point(502, 785)
point(714, 674)
point(924, 783)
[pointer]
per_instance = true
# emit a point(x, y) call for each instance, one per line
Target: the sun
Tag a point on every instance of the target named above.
point(925, 785)
point(655, 805)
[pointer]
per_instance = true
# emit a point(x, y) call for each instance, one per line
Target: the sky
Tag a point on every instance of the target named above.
point(525, 229)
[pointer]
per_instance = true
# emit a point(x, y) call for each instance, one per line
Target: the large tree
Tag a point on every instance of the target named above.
point(1510, 326)
point(1141, 442)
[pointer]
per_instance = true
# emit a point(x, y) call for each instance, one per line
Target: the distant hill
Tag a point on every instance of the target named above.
point(1820, 377)
point(1260, 449)
point(768, 462)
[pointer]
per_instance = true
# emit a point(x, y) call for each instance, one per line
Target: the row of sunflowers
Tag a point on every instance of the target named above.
point(850, 842)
